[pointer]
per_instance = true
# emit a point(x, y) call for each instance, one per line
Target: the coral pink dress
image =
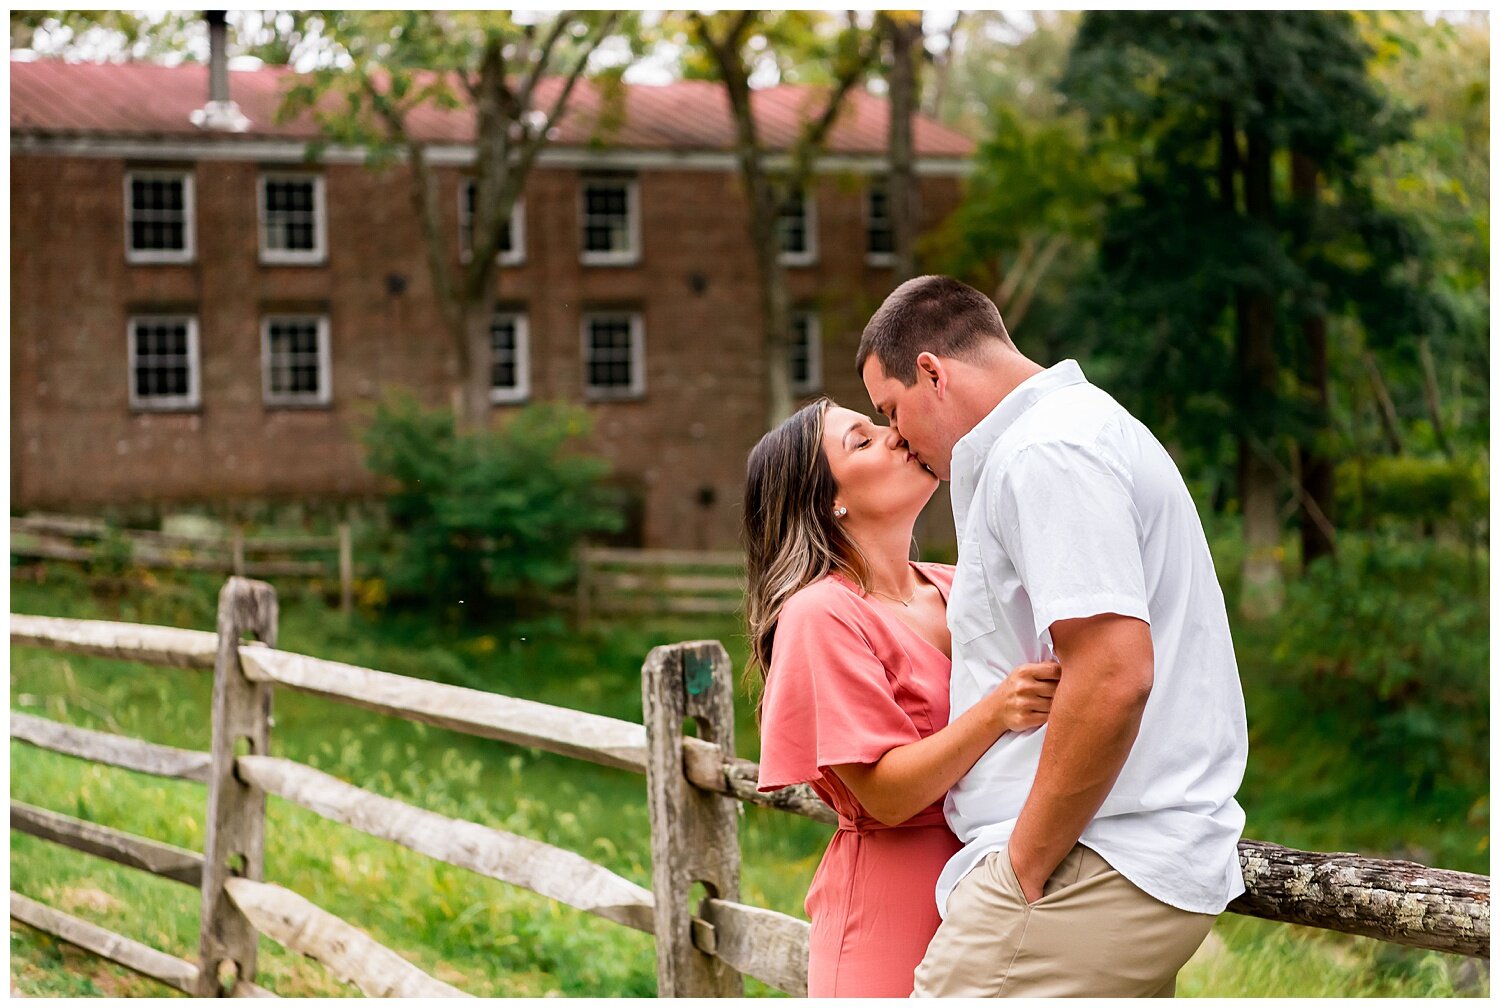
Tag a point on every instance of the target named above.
point(849, 681)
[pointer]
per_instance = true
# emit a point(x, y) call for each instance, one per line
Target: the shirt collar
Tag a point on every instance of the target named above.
point(974, 447)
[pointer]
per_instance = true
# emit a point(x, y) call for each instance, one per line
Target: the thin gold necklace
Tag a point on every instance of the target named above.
point(896, 598)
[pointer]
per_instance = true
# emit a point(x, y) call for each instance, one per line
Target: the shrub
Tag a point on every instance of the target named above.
point(1388, 647)
point(1411, 488)
point(487, 521)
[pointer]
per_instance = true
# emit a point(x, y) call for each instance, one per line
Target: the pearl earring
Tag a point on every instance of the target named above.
point(841, 512)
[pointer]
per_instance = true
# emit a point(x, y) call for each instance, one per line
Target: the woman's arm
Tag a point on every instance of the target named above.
point(909, 778)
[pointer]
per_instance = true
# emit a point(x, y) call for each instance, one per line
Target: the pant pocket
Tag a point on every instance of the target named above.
point(1004, 876)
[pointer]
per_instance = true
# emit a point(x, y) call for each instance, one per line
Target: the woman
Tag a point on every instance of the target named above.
point(851, 639)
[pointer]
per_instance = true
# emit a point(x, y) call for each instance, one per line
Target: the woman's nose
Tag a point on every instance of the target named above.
point(894, 441)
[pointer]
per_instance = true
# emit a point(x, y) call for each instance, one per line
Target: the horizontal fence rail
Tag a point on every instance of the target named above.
point(114, 750)
point(150, 645)
point(56, 537)
point(353, 956)
point(590, 737)
point(622, 582)
point(549, 871)
point(152, 856)
point(1393, 901)
point(176, 973)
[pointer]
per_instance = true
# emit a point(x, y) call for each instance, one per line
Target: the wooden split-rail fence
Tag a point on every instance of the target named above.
point(636, 582)
point(86, 540)
point(704, 944)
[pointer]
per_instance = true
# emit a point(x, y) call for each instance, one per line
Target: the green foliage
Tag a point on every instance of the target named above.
point(1414, 489)
point(491, 517)
point(378, 67)
point(1189, 93)
point(1030, 218)
point(275, 37)
point(1387, 647)
point(113, 555)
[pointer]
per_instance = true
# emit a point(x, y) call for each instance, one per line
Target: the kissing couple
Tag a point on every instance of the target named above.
point(1034, 754)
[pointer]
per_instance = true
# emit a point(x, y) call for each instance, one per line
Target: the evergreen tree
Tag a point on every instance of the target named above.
point(1248, 226)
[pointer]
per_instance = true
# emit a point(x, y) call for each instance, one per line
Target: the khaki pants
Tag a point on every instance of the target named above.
point(1092, 933)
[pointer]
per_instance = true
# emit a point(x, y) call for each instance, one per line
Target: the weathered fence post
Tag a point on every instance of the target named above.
point(694, 833)
point(346, 569)
point(234, 842)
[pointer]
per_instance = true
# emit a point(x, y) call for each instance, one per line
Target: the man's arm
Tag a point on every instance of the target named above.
point(1095, 716)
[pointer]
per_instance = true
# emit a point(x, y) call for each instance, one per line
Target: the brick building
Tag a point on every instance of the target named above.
point(203, 316)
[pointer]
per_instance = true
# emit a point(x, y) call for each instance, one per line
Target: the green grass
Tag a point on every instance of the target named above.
point(486, 937)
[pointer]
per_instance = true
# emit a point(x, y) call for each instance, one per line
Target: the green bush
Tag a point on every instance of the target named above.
point(486, 523)
point(1411, 488)
point(1388, 648)
point(112, 555)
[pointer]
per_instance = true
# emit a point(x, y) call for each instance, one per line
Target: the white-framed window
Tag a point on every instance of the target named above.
point(293, 218)
point(610, 221)
point(294, 360)
point(510, 363)
point(512, 243)
point(614, 355)
point(796, 229)
point(805, 353)
point(880, 236)
point(163, 362)
point(158, 216)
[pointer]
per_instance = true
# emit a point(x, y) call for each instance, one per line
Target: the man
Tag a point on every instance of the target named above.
point(1099, 848)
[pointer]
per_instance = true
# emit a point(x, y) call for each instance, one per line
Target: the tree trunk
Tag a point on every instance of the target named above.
point(1390, 425)
point(1430, 394)
point(476, 378)
point(942, 70)
point(1316, 465)
point(1261, 588)
point(775, 304)
point(904, 32)
point(763, 197)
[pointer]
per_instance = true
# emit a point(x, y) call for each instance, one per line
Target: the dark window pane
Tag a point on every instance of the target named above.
point(606, 218)
point(610, 364)
point(157, 214)
point(162, 366)
point(792, 225)
point(597, 239)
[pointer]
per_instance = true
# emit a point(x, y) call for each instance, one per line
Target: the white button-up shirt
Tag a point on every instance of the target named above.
point(1066, 506)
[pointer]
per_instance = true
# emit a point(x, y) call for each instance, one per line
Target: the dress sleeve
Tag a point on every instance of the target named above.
point(828, 700)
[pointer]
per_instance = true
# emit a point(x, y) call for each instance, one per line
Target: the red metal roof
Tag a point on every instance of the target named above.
point(142, 99)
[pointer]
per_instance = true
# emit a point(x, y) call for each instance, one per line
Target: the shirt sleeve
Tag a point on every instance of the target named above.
point(828, 700)
point(1067, 520)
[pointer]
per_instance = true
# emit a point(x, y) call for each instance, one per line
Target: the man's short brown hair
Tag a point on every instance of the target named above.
point(937, 314)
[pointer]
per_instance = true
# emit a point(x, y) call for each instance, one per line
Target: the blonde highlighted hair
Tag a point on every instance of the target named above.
point(790, 534)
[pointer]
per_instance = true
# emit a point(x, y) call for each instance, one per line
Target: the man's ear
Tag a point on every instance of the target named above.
point(932, 372)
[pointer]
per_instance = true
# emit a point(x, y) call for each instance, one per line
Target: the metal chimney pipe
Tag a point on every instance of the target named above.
point(220, 113)
point(218, 55)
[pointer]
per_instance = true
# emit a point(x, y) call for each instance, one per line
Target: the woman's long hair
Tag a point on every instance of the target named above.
point(790, 534)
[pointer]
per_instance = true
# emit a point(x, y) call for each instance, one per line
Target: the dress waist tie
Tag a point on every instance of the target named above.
point(869, 824)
